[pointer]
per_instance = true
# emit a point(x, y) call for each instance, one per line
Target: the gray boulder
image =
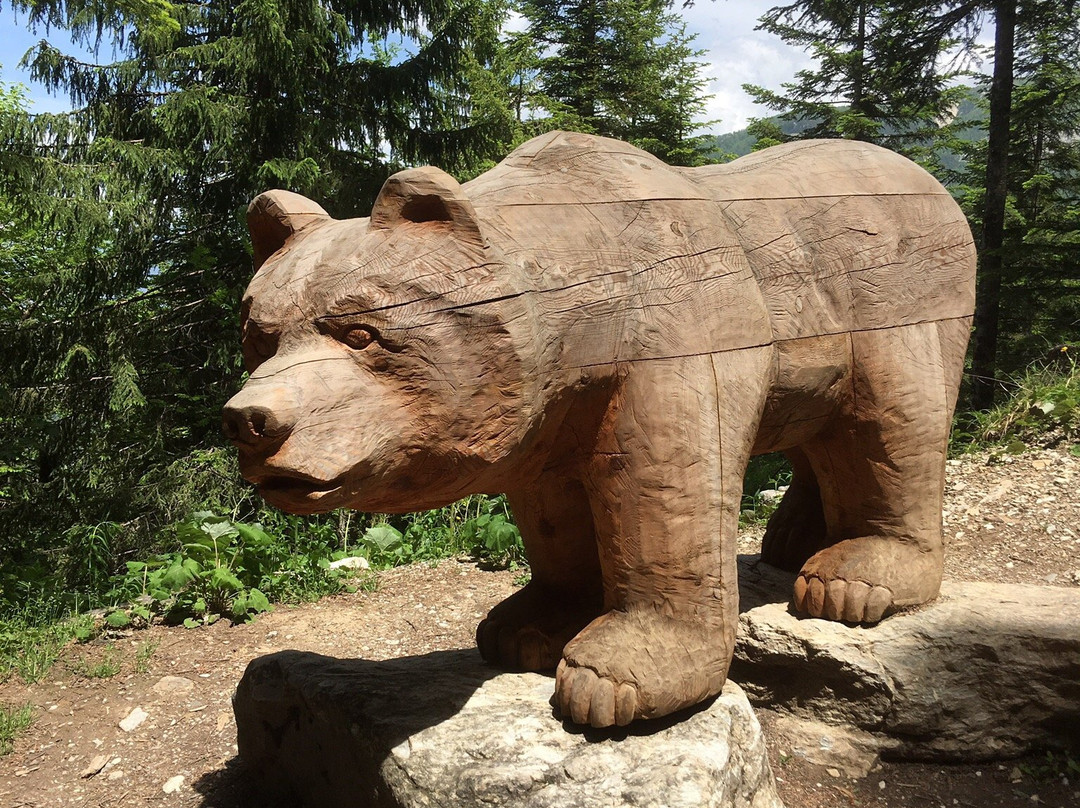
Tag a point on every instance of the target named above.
point(443, 729)
point(986, 671)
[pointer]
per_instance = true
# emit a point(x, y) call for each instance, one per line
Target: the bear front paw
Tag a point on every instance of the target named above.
point(640, 664)
point(850, 601)
point(585, 697)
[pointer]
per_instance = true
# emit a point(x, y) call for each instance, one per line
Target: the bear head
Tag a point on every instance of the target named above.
point(390, 358)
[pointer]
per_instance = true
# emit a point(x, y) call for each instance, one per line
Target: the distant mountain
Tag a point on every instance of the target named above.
point(742, 142)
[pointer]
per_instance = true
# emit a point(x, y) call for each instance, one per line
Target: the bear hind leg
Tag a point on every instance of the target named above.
point(881, 470)
point(796, 530)
point(528, 630)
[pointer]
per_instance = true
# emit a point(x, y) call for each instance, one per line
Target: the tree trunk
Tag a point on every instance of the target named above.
point(858, 81)
point(988, 288)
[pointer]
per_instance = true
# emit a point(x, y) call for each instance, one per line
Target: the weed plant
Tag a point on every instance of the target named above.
point(1043, 407)
point(767, 472)
point(221, 568)
point(13, 720)
point(105, 668)
point(29, 649)
point(143, 655)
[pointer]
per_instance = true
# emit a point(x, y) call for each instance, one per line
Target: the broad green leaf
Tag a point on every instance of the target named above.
point(384, 537)
point(118, 619)
point(257, 601)
point(253, 535)
point(222, 578)
point(177, 576)
point(1045, 407)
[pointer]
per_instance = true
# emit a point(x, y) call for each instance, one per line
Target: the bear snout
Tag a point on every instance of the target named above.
point(253, 419)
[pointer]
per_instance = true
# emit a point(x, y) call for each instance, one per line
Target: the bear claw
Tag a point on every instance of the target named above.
point(587, 698)
point(847, 601)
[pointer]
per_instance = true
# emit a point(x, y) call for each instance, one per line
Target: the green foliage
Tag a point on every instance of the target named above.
point(13, 720)
point(1055, 765)
point(143, 655)
point(620, 68)
point(768, 472)
point(1043, 405)
point(123, 247)
point(223, 568)
point(29, 648)
point(881, 72)
point(479, 526)
point(105, 668)
point(495, 539)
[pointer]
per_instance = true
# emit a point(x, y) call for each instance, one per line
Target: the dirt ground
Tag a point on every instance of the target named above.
point(1010, 519)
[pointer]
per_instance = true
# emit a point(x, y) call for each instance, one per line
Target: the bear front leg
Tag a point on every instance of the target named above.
point(528, 630)
point(666, 483)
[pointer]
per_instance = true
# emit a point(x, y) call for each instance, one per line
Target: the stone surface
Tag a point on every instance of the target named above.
point(985, 671)
point(851, 751)
point(443, 729)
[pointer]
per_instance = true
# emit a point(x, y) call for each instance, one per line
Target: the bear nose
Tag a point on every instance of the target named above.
point(249, 419)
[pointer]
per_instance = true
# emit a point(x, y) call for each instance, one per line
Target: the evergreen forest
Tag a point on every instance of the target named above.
point(124, 250)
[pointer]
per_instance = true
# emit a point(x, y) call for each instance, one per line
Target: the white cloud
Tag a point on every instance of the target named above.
point(736, 54)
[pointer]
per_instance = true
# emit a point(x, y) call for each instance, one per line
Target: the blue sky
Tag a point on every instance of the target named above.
point(735, 54)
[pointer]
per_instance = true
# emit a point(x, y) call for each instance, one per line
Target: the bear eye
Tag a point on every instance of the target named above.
point(358, 337)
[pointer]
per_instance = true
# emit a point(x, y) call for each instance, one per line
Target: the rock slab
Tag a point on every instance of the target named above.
point(443, 729)
point(986, 671)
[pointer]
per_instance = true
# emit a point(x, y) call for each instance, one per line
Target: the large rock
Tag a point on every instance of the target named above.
point(443, 729)
point(985, 671)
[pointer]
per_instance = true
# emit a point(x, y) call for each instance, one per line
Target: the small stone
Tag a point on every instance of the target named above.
point(833, 772)
point(1016, 775)
point(881, 785)
point(173, 784)
point(96, 765)
point(173, 686)
point(133, 719)
point(115, 774)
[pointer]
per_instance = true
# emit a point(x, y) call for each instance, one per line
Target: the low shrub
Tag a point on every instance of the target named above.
point(1042, 407)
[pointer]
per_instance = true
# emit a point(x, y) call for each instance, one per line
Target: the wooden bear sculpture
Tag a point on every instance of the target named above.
point(608, 339)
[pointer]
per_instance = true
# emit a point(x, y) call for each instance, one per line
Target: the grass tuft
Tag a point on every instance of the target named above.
point(1043, 407)
point(13, 720)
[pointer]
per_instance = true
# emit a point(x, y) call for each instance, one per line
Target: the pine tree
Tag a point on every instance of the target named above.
point(621, 68)
point(1040, 226)
point(877, 76)
point(125, 345)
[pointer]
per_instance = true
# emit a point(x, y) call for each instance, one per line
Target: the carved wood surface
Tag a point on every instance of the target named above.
point(608, 339)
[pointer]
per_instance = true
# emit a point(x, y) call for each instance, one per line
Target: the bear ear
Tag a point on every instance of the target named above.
point(426, 194)
point(274, 216)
